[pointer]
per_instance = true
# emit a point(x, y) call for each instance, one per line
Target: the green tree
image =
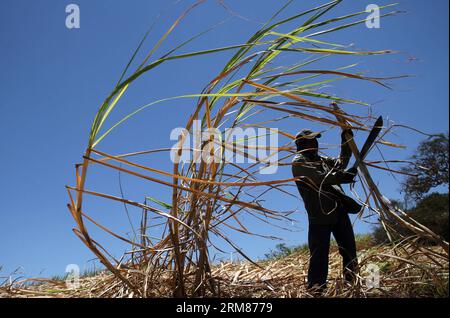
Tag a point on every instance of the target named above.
point(429, 167)
point(431, 211)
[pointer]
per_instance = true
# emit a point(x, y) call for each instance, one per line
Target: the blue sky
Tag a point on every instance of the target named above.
point(53, 80)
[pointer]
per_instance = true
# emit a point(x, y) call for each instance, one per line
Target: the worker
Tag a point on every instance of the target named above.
point(319, 180)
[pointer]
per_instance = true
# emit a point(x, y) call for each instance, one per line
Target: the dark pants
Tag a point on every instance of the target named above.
point(319, 247)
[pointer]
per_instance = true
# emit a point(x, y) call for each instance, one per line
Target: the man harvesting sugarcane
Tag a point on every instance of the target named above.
point(319, 183)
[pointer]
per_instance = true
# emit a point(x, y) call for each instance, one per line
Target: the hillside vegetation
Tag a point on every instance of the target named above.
point(423, 274)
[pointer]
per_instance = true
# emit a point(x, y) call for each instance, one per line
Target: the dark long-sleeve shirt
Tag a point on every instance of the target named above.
point(319, 185)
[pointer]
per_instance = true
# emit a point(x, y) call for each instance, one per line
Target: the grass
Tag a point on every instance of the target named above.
point(281, 276)
point(363, 242)
point(85, 274)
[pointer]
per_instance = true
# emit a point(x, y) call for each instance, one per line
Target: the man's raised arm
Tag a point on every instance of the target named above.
point(346, 152)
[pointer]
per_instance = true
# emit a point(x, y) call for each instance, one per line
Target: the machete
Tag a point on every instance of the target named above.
point(369, 141)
